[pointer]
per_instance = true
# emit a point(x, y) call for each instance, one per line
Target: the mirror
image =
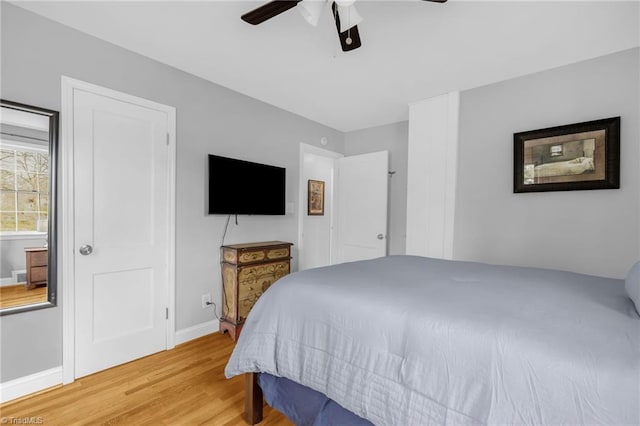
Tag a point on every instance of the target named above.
point(28, 157)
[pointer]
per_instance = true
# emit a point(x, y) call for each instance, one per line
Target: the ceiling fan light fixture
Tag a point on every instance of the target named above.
point(344, 14)
point(349, 16)
point(311, 10)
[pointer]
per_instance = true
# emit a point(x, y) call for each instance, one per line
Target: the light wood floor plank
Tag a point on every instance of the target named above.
point(18, 295)
point(183, 386)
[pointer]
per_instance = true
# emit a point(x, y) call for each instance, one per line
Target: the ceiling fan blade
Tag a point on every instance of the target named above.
point(268, 11)
point(437, 1)
point(349, 39)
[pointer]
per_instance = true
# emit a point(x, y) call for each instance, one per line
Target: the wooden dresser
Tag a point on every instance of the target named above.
point(247, 271)
point(37, 271)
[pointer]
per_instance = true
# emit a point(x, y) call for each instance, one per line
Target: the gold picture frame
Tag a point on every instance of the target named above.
point(315, 198)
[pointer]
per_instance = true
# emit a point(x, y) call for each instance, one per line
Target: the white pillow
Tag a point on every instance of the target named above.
point(632, 284)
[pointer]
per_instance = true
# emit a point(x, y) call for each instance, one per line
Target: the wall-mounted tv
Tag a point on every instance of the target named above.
point(243, 187)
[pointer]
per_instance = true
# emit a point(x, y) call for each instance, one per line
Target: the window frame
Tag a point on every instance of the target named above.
point(13, 145)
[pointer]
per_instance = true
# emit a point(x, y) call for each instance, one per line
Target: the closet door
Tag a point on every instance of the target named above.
point(121, 230)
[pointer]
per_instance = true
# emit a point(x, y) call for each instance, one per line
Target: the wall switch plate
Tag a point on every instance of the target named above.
point(206, 300)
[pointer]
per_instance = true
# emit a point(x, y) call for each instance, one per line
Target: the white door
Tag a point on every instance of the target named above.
point(121, 230)
point(362, 189)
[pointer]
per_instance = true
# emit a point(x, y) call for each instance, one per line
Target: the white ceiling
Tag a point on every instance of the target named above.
point(411, 50)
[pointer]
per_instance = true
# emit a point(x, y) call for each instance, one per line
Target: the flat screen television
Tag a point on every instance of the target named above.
point(243, 187)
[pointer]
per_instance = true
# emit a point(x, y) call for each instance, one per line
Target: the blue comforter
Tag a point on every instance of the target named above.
point(406, 340)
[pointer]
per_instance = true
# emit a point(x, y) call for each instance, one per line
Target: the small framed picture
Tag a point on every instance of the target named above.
point(315, 198)
point(565, 158)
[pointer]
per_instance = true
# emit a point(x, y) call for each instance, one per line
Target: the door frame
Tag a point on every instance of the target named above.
point(302, 189)
point(66, 271)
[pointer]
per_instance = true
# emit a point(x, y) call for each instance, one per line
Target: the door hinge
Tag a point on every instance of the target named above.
point(166, 313)
point(167, 138)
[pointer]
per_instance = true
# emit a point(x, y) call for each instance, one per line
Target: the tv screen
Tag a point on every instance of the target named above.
point(243, 187)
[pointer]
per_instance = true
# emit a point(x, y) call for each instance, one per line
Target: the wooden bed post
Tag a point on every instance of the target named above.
point(252, 399)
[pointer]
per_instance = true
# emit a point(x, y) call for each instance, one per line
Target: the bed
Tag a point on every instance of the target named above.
point(407, 340)
point(577, 166)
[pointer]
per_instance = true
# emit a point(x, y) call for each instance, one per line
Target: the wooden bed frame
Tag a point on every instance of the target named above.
point(253, 399)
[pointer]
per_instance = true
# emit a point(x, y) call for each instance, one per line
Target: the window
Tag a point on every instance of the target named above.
point(24, 189)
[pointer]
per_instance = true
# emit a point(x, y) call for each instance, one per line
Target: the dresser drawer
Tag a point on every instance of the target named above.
point(258, 278)
point(278, 253)
point(251, 256)
point(38, 274)
point(245, 305)
point(38, 258)
point(247, 254)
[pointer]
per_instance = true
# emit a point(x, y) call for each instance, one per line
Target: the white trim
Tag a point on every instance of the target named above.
point(29, 384)
point(451, 172)
point(302, 188)
point(66, 278)
point(431, 176)
point(25, 119)
point(24, 146)
point(66, 238)
point(33, 235)
point(198, 330)
point(171, 241)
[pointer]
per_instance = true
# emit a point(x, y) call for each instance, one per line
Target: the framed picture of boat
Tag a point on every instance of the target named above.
point(570, 157)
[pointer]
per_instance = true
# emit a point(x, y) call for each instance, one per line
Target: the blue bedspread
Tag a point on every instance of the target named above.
point(406, 340)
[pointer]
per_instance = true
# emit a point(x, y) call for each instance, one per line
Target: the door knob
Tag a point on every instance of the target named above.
point(380, 236)
point(86, 250)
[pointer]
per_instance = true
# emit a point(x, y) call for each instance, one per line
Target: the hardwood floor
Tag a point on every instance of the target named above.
point(183, 386)
point(18, 295)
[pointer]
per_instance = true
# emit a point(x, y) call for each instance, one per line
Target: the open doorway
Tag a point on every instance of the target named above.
point(316, 233)
point(351, 221)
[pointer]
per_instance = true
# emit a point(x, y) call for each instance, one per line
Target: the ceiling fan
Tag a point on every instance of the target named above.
point(344, 13)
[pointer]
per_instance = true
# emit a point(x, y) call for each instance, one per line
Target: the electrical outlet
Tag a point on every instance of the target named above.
point(206, 300)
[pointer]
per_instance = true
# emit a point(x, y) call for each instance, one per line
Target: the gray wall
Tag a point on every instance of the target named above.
point(36, 52)
point(393, 138)
point(594, 232)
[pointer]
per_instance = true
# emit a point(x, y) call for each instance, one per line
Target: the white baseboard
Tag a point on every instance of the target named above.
point(7, 282)
point(29, 384)
point(196, 331)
